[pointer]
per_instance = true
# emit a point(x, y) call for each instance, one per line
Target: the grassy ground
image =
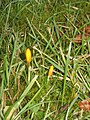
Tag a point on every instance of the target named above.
point(48, 28)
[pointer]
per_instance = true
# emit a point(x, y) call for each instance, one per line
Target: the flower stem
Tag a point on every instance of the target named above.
point(29, 69)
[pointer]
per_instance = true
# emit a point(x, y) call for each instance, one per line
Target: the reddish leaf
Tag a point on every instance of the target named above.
point(79, 37)
point(87, 30)
point(64, 107)
point(85, 105)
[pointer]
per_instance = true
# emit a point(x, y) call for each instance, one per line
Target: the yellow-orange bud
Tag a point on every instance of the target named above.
point(50, 72)
point(75, 95)
point(28, 56)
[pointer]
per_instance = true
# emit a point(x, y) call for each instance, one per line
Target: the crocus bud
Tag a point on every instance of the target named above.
point(28, 56)
point(50, 72)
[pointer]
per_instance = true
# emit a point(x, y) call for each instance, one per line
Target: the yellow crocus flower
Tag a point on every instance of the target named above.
point(28, 56)
point(50, 72)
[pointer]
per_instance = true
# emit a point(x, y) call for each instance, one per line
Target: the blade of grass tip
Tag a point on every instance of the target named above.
point(17, 70)
point(66, 72)
point(8, 16)
point(59, 39)
point(72, 103)
point(56, 28)
point(51, 38)
point(27, 105)
point(62, 55)
point(11, 110)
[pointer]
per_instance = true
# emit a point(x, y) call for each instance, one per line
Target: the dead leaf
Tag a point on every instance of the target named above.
point(85, 105)
point(64, 107)
point(87, 30)
point(79, 37)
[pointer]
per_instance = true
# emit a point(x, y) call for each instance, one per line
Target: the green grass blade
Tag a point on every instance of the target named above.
point(12, 58)
point(27, 105)
point(11, 110)
point(66, 72)
point(72, 103)
point(6, 70)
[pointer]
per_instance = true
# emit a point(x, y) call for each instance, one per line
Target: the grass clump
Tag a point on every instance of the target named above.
point(48, 29)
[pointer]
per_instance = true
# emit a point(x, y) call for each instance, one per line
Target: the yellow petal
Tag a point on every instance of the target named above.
point(50, 72)
point(28, 56)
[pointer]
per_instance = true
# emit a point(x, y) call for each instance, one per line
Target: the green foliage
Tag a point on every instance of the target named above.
point(48, 28)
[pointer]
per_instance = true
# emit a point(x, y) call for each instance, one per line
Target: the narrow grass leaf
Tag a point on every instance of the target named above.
point(8, 17)
point(27, 105)
point(72, 103)
point(12, 58)
point(31, 27)
point(11, 110)
point(66, 72)
point(6, 70)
